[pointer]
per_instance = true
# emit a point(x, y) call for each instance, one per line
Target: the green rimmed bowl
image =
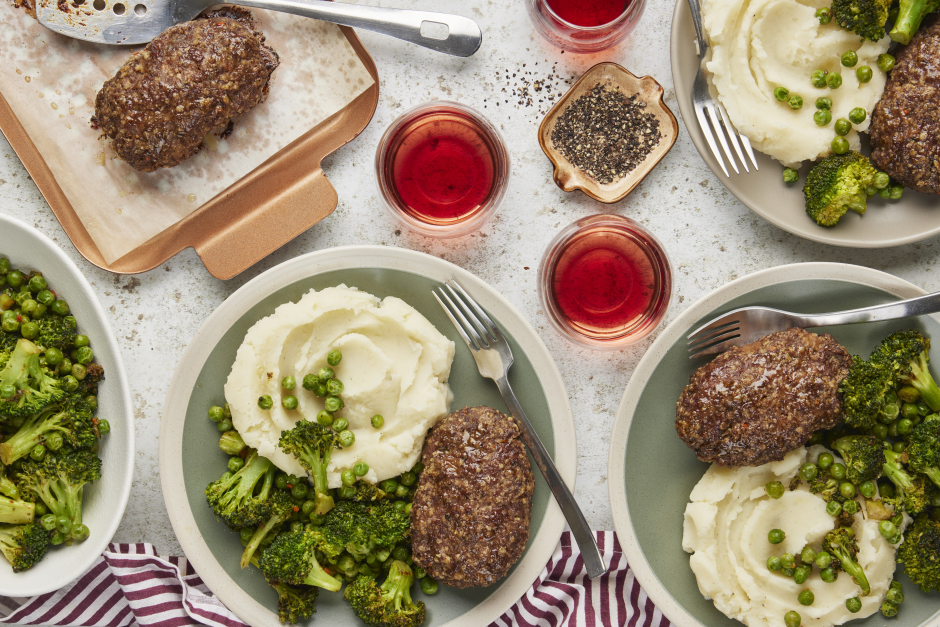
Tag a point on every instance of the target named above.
point(651, 470)
point(190, 457)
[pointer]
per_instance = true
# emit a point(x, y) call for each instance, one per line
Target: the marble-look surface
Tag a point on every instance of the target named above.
point(710, 236)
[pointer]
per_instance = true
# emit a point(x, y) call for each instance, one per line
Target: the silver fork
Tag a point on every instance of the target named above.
point(745, 325)
point(708, 110)
point(493, 356)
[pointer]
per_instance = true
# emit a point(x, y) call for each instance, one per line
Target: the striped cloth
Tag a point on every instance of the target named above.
point(131, 585)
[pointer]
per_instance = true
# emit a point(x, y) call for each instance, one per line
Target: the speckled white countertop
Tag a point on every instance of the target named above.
point(710, 236)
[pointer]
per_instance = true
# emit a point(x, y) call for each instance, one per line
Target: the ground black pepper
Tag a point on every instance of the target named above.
point(606, 133)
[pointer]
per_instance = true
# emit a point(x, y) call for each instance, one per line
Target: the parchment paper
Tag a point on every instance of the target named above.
point(51, 81)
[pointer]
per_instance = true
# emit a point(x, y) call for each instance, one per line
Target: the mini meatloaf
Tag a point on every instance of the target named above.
point(188, 82)
point(752, 405)
point(470, 516)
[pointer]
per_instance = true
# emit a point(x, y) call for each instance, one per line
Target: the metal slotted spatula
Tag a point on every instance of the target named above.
point(127, 22)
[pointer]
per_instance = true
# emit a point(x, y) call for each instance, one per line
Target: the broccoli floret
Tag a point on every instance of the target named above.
point(73, 418)
point(7, 487)
point(295, 603)
point(363, 527)
point(865, 18)
point(362, 491)
point(910, 15)
point(923, 452)
point(59, 481)
point(912, 493)
point(35, 389)
point(905, 356)
point(864, 457)
point(23, 545)
point(388, 605)
point(240, 499)
point(826, 489)
point(292, 559)
point(16, 512)
point(836, 184)
point(54, 332)
point(863, 394)
point(281, 507)
point(312, 445)
point(920, 553)
point(841, 544)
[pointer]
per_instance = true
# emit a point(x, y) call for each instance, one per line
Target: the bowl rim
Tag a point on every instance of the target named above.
point(640, 377)
point(192, 361)
point(117, 375)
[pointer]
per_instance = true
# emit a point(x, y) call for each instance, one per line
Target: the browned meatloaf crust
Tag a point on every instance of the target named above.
point(752, 405)
point(470, 515)
point(190, 81)
point(905, 125)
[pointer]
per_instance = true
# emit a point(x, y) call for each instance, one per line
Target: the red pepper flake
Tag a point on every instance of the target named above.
point(296, 509)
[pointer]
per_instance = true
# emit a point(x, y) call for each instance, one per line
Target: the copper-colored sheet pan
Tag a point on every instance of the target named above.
point(276, 202)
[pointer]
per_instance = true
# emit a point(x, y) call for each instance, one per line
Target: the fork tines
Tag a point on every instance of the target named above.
point(474, 326)
point(707, 340)
point(716, 114)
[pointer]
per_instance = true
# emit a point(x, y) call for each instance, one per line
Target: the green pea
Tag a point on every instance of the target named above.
point(834, 80)
point(774, 564)
point(868, 489)
point(45, 297)
point(224, 425)
point(48, 522)
point(818, 78)
point(849, 59)
point(41, 509)
point(66, 366)
point(54, 441)
point(4, 265)
point(388, 486)
point(886, 490)
point(822, 117)
point(887, 529)
point(333, 404)
point(790, 175)
point(70, 320)
point(289, 402)
point(310, 382)
point(896, 585)
point(824, 462)
point(834, 508)
point(30, 330)
point(377, 421)
point(280, 481)
point(85, 355)
point(215, 413)
point(824, 103)
point(795, 102)
point(808, 472)
point(324, 418)
point(889, 610)
point(782, 94)
point(346, 438)
point(863, 74)
point(408, 479)
point(408, 508)
point(325, 374)
point(886, 62)
point(791, 618)
point(335, 387)
point(893, 429)
point(226, 411)
point(837, 471)
point(808, 555)
point(828, 574)
point(265, 402)
point(59, 307)
point(104, 427)
point(235, 463)
point(806, 597)
point(15, 278)
point(843, 127)
point(340, 424)
point(857, 115)
point(905, 425)
point(7, 390)
point(908, 410)
point(880, 431)
point(79, 372)
point(802, 574)
point(348, 477)
point(847, 489)
point(81, 340)
point(850, 507)
point(854, 605)
point(898, 447)
point(334, 357)
point(57, 538)
point(307, 508)
point(418, 467)
point(895, 596)
point(38, 453)
point(300, 490)
point(896, 192)
point(321, 390)
point(361, 469)
point(10, 323)
point(429, 586)
point(776, 536)
point(246, 534)
point(824, 16)
point(288, 383)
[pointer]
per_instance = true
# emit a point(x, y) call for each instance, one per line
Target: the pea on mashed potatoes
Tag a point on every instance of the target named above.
point(726, 526)
point(395, 363)
point(759, 45)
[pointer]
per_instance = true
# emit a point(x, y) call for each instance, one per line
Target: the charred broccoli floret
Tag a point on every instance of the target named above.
point(55, 332)
point(292, 559)
point(312, 444)
point(910, 15)
point(912, 493)
point(826, 489)
point(841, 544)
point(59, 481)
point(23, 545)
point(295, 603)
point(73, 418)
point(26, 388)
point(920, 553)
point(241, 499)
point(362, 528)
point(923, 452)
point(388, 605)
point(865, 18)
point(864, 457)
point(905, 356)
point(362, 491)
point(863, 393)
point(836, 184)
point(281, 507)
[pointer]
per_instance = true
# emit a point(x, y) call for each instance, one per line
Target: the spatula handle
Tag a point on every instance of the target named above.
point(450, 34)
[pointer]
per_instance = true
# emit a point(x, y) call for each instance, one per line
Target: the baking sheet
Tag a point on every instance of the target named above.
point(50, 83)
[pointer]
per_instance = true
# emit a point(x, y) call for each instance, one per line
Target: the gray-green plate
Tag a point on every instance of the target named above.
point(653, 472)
point(190, 457)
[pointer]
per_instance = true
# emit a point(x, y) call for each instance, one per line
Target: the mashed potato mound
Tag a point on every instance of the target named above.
point(395, 363)
point(726, 526)
point(759, 45)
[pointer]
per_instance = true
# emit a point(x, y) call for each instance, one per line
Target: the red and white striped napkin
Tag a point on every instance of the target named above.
point(131, 585)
